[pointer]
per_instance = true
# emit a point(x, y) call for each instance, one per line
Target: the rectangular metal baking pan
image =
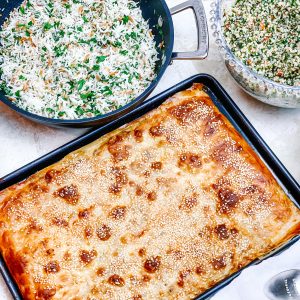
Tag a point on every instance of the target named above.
point(225, 104)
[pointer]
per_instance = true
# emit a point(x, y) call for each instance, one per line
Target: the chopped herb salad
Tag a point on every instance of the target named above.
point(77, 58)
point(265, 36)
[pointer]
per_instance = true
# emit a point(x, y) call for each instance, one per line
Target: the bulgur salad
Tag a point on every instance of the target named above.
point(265, 36)
point(72, 59)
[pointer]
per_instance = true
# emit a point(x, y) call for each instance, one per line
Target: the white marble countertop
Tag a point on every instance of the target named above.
point(22, 141)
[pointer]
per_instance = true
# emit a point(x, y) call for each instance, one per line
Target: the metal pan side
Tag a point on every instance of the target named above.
point(225, 104)
point(152, 11)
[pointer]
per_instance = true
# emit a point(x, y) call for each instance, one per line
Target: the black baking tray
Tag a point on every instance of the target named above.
point(225, 104)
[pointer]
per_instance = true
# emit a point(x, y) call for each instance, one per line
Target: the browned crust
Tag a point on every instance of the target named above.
point(42, 282)
point(16, 264)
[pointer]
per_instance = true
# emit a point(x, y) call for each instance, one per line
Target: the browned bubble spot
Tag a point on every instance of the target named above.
point(102, 172)
point(131, 183)
point(219, 263)
point(152, 264)
point(59, 222)
point(249, 210)
point(118, 212)
point(206, 232)
point(182, 275)
point(44, 243)
point(69, 193)
point(52, 267)
point(88, 232)
point(156, 165)
point(120, 176)
point(189, 202)
point(180, 281)
point(151, 196)
point(87, 256)
point(146, 278)
point(156, 130)
point(50, 251)
point(116, 280)
point(38, 188)
point(238, 148)
point(84, 213)
point(182, 159)
point(67, 256)
point(103, 232)
point(121, 179)
point(211, 125)
point(189, 160)
point(252, 189)
point(228, 200)
point(100, 271)
point(46, 293)
point(222, 232)
point(221, 152)
point(137, 297)
point(115, 139)
point(234, 231)
point(209, 129)
point(147, 173)
point(142, 252)
point(199, 270)
point(215, 186)
point(51, 175)
point(94, 290)
point(224, 150)
point(139, 191)
point(34, 226)
point(115, 189)
point(118, 150)
point(123, 240)
point(256, 192)
point(140, 234)
point(186, 112)
point(138, 135)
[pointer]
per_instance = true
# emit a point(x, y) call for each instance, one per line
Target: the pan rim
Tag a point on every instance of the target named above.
point(115, 113)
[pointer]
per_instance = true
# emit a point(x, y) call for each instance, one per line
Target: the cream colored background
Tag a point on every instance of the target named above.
point(22, 141)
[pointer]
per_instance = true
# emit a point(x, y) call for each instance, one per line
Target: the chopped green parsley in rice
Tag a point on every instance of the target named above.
point(265, 36)
point(77, 58)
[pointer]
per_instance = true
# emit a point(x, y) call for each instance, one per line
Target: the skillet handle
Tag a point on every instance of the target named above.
point(202, 30)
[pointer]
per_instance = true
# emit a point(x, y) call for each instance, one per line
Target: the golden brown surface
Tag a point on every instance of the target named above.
point(162, 208)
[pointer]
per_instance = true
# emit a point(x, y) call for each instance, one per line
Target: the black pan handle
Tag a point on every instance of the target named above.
point(202, 29)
